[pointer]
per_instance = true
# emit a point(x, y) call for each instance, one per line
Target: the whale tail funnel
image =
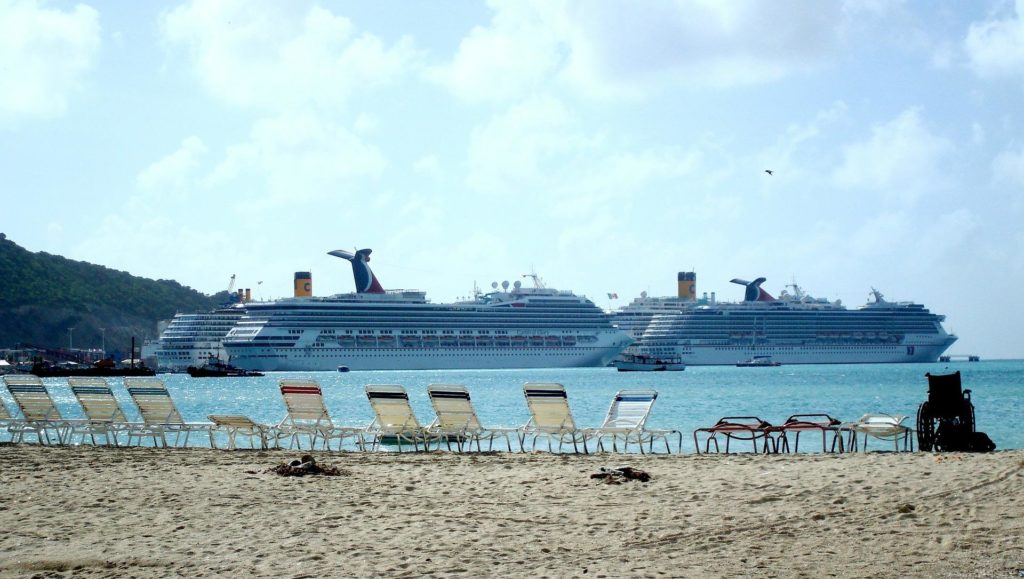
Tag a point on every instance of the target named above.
point(366, 282)
point(754, 291)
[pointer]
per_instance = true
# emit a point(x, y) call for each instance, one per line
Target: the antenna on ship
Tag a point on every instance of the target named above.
point(537, 281)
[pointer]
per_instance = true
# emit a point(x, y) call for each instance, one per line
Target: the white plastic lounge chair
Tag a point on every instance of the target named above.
point(626, 423)
point(307, 416)
point(236, 425)
point(103, 415)
point(457, 419)
point(38, 414)
point(394, 422)
point(550, 418)
point(5, 419)
point(160, 416)
point(880, 426)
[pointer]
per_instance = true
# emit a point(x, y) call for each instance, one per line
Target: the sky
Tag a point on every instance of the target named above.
point(604, 146)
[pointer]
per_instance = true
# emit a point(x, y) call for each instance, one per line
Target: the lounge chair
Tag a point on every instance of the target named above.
point(457, 419)
point(307, 415)
point(5, 418)
point(103, 415)
point(881, 426)
point(38, 414)
point(550, 418)
point(160, 416)
point(394, 422)
point(235, 425)
point(626, 422)
point(741, 428)
point(800, 423)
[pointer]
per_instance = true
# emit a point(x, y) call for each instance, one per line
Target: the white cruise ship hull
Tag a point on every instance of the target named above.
point(719, 355)
point(328, 359)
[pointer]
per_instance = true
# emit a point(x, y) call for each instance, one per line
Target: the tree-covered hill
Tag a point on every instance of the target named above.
point(42, 295)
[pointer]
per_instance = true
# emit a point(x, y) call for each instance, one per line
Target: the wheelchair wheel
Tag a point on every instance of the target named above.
point(925, 428)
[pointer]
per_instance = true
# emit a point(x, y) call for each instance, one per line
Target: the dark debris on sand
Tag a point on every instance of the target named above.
point(616, 476)
point(305, 466)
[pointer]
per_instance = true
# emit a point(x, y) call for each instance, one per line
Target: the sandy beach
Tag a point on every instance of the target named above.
point(92, 512)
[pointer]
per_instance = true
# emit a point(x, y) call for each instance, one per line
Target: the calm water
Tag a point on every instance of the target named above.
point(687, 400)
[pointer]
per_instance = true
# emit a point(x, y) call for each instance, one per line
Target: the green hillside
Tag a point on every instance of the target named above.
point(42, 295)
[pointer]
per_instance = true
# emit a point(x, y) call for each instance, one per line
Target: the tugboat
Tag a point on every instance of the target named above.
point(642, 363)
point(215, 368)
point(759, 362)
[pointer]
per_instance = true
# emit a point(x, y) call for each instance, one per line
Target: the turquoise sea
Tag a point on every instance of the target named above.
point(697, 397)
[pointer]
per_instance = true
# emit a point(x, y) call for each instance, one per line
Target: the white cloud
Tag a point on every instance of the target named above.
point(428, 165)
point(297, 157)
point(45, 56)
point(901, 160)
point(174, 172)
point(1008, 167)
point(519, 146)
point(507, 59)
point(624, 50)
point(996, 46)
point(269, 55)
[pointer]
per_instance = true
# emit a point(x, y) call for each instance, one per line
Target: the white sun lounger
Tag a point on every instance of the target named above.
point(457, 420)
point(550, 418)
point(307, 416)
point(881, 426)
point(394, 421)
point(234, 425)
point(38, 414)
point(160, 416)
point(103, 414)
point(626, 423)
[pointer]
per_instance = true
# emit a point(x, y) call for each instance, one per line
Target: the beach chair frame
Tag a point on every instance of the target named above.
point(743, 428)
point(626, 423)
point(457, 420)
point(394, 420)
point(550, 418)
point(38, 413)
point(235, 425)
point(160, 416)
point(888, 427)
point(103, 413)
point(800, 423)
point(307, 415)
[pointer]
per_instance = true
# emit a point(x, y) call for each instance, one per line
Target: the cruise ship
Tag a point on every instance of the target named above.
point(375, 329)
point(192, 339)
point(792, 329)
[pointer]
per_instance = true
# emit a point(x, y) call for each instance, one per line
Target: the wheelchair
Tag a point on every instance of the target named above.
point(945, 422)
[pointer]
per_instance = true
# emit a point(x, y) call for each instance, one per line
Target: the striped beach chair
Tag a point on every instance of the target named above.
point(457, 419)
point(550, 418)
point(160, 416)
point(307, 415)
point(395, 422)
point(234, 425)
point(5, 419)
point(626, 423)
point(103, 414)
point(38, 414)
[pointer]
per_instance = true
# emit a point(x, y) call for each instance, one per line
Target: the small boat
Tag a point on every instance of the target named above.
point(214, 368)
point(759, 362)
point(342, 368)
point(643, 363)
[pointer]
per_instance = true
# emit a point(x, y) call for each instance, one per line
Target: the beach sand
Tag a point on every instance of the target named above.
point(90, 512)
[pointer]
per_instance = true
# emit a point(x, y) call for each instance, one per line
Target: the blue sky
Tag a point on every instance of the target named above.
point(604, 145)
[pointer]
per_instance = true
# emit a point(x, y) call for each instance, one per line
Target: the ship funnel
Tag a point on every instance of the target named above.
point(687, 285)
point(366, 282)
point(248, 295)
point(303, 284)
point(754, 291)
